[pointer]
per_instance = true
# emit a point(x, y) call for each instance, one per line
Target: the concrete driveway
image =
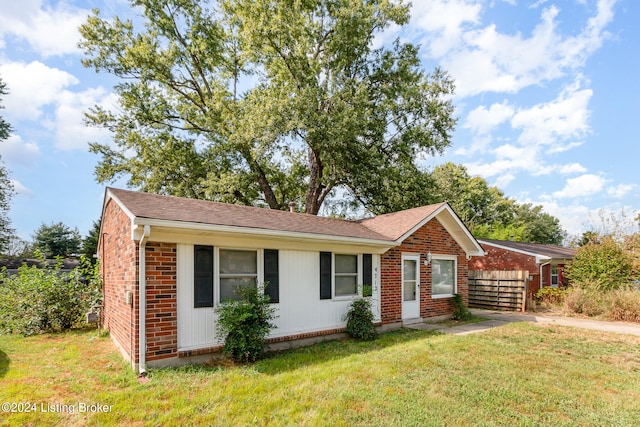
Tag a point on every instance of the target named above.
point(499, 318)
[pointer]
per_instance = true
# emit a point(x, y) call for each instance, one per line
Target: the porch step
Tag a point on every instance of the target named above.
point(413, 321)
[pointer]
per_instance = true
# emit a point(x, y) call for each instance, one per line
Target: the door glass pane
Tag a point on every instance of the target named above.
point(238, 262)
point(409, 269)
point(346, 285)
point(409, 290)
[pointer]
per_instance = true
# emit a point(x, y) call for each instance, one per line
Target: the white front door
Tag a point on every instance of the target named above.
point(410, 287)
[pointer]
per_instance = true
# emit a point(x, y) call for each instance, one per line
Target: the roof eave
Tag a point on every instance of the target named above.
point(454, 226)
point(539, 257)
point(229, 229)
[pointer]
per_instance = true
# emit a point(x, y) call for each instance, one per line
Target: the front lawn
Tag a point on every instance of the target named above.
point(519, 374)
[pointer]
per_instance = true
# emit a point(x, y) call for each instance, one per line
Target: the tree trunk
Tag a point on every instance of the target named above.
point(314, 190)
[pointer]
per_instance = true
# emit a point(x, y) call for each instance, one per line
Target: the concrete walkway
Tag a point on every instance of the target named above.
point(499, 318)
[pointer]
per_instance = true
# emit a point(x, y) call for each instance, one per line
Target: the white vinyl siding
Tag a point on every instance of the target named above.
point(299, 309)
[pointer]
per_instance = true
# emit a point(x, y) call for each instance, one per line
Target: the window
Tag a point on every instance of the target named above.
point(346, 275)
point(228, 269)
point(340, 275)
point(554, 276)
point(237, 268)
point(443, 276)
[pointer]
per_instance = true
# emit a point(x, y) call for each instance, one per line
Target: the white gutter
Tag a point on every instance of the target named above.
point(142, 304)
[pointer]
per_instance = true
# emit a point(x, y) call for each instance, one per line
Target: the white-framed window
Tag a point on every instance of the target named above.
point(444, 277)
point(554, 276)
point(345, 275)
point(238, 268)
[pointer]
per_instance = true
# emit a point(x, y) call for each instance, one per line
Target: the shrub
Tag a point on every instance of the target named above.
point(548, 295)
point(621, 304)
point(38, 300)
point(245, 324)
point(360, 320)
point(584, 301)
point(601, 266)
point(460, 310)
point(624, 305)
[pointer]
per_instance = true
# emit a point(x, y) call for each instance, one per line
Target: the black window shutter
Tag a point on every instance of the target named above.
point(367, 275)
point(271, 275)
point(325, 275)
point(203, 276)
point(367, 266)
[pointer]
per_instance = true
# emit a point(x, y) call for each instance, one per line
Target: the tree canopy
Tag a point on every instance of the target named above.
point(56, 239)
point(488, 213)
point(268, 102)
point(6, 186)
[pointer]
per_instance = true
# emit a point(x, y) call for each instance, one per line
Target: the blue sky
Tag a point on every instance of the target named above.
point(547, 101)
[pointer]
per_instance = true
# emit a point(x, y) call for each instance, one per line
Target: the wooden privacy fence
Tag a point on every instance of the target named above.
point(498, 290)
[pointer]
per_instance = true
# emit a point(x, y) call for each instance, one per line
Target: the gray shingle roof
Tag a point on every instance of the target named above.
point(158, 207)
point(551, 251)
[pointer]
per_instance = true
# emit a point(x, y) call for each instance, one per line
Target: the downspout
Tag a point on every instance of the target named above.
point(542, 265)
point(142, 302)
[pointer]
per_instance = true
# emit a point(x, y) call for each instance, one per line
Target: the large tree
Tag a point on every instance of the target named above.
point(6, 186)
point(56, 239)
point(265, 102)
point(488, 213)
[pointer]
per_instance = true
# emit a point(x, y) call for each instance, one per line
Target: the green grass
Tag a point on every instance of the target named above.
point(451, 323)
point(519, 374)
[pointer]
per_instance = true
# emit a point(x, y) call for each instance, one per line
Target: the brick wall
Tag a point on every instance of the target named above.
point(434, 238)
point(504, 260)
point(161, 316)
point(118, 262)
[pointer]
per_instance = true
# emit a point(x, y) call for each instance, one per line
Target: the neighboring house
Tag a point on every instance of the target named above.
point(160, 307)
point(545, 263)
point(67, 265)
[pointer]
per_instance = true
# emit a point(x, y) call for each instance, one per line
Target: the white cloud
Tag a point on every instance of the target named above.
point(482, 120)
point(556, 122)
point(571, 168)
point(49, 30)
point(621, 190)
point(21, 189)
point(573, 217)
point(31, 87)
point(582, 186)
point(40, 94)
point(445, 22)
point(482, 59)
point(71, 132)
point(14, 151)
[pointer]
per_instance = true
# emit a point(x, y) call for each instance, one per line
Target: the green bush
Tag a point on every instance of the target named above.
point(38, 300)
point(601, 266)
point(548, 295)
point(360, 320)
point(460, 310)
point(245, 324)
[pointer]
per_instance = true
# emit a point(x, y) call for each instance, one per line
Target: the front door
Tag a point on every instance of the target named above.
point(410, 287)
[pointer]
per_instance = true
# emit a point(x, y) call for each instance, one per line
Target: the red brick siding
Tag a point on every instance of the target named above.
point(118, 262)
point(434, 238)
point(506, 260)
point(162, 315)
